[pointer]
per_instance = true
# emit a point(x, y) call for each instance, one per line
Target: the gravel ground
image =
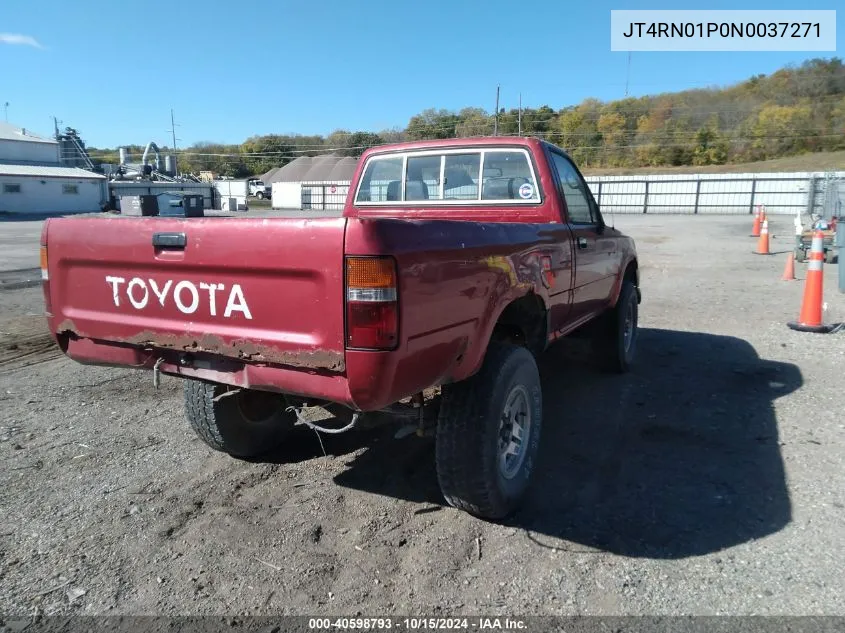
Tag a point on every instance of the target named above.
point(707, 481)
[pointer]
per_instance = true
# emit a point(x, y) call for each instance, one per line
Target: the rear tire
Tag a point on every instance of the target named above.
point(615, 339)
point(488, 434)
point(246, 423)
point(830, 256)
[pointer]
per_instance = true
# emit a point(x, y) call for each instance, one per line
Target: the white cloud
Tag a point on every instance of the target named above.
point(17, 38)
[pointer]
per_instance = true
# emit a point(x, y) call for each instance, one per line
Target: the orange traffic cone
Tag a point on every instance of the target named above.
point(758, 219)
point(763, 242)
point(810, 319)
point(789, 269)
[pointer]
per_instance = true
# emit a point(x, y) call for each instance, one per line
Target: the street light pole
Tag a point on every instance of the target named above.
point(496, 121)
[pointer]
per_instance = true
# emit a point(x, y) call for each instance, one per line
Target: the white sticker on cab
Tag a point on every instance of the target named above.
point(526, 191)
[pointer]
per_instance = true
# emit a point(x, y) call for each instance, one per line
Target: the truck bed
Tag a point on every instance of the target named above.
point(238, 287)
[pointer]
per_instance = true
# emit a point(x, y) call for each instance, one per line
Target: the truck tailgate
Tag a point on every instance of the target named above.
point(264, 290)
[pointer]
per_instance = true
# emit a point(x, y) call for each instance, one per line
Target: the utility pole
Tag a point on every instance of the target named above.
point(496, 120)
point(173, 129)
point(627, 74)
point(519, 116)
point(6, 111)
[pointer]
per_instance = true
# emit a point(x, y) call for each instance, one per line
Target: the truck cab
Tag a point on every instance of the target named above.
point(258, 189)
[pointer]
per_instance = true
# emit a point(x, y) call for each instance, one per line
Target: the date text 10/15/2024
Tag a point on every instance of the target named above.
point(418, 624)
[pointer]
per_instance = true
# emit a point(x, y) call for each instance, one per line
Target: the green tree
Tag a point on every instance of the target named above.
point(710, 148)
point(432, 124)
point(474, 122)
point(781, 130)
point(357, 142)
point(263, 153)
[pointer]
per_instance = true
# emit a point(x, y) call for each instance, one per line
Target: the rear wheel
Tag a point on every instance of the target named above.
point(241, 422)
point(615, 338)
point(488, 434)
point(830, 256)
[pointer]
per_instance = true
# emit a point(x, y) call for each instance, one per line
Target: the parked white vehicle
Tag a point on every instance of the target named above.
point(258, 189)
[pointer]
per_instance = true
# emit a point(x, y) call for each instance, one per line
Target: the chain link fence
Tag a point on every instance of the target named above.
point(324, 196)
point(696, 194)
point(722, 194)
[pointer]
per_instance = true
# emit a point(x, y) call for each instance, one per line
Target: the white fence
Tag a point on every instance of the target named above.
point(693, 194)
point(782, 194)
point(327, 195)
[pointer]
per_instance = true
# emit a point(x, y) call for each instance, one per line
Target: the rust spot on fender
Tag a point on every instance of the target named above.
point(66, 326)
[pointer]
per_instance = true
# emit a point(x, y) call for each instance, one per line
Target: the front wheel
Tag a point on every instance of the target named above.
point(488, 434)
point(260, 195)
point(615, 338)
point(241, 422)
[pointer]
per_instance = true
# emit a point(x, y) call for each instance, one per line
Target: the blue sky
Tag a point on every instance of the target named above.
point(230, 71)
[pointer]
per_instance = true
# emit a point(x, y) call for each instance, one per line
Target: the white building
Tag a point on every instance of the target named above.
point(47, 189)
point(312, 182)
point(32, 179)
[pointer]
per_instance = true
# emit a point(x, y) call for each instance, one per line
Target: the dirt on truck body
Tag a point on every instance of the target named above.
point(454, 265)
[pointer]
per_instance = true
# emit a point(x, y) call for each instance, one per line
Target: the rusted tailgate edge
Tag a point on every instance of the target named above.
point(239, 349)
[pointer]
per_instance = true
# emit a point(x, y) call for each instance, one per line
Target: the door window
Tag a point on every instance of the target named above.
point(574, 191)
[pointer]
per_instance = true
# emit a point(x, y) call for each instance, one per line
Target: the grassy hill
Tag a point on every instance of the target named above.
point(819, 161)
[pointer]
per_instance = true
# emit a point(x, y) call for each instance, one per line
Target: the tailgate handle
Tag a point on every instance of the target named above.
point(170, 240)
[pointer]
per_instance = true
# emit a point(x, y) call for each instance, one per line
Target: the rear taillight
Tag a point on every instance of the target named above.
point(45, 273)
point(372, 311)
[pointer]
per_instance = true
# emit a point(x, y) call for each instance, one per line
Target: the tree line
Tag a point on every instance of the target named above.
point(792, 111)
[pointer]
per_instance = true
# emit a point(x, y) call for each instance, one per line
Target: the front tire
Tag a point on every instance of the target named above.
point(488, 434)
point(260, 195)
point(615, 339)
point(241, 422)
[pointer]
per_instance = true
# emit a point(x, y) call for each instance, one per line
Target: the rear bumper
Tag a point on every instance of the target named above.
point(309, 383)
point(370, 381)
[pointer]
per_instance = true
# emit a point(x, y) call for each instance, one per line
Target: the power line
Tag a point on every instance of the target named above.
point(606, 146)
point(531, 117)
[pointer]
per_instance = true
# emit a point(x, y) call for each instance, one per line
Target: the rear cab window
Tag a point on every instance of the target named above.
point(462, 176)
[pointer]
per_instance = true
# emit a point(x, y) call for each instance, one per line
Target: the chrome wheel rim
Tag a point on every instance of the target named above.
point(514, 431)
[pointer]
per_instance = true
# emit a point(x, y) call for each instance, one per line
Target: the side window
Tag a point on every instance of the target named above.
point(574, 191)
point(460, 176)
point(422, 181)
point(382, 180)
point(507, 176)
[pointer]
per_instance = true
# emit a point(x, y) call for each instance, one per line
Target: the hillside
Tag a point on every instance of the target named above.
point(791, 113)
point(818, 161)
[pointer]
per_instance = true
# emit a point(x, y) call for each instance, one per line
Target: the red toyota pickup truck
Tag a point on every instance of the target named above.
point(454, 264)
